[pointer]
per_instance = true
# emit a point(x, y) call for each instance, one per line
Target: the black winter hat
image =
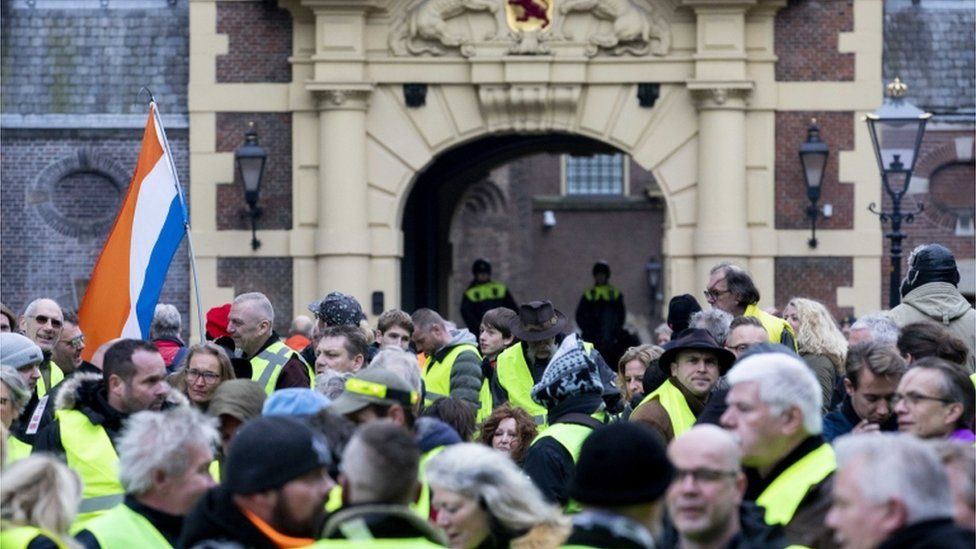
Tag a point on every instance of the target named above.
point(621, 464)
point(601, 267)
point(930, 263)
point(481, 265)
point(270, 451)
point(680, 309)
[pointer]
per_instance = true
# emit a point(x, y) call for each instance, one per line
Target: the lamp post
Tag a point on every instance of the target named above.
point(813, 158)
point(896, 130)
point(250, 158)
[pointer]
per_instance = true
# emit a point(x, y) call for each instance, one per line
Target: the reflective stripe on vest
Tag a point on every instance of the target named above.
point(486, 403)
point(89, 451)
point(334, 503)
point(266, 366)
point(13, 536)
point(215, 470)
point(485, 292)
point(51, 375)
point(422, 505)
point(783, 496)
point(571, 436)
point(603, 292)
point(123, 527)
point(514, 376)
point(674, 404)
point(437, 375)
point(774, 325)
point(17, 449)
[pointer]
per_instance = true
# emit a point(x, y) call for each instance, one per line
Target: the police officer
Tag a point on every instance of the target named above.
point(482, 295)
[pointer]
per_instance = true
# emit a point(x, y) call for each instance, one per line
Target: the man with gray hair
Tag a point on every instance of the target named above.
point(874, 327)
point(165, 333)
point(731, 289)
point(892, 491)
point(273, 364)
point(379, 480)
point(714, 321)
point(164, 460)
point(41, 323)
point(774, 413)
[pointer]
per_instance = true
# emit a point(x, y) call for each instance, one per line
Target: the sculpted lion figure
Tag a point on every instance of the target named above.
point(423, 28)
point(634, 30)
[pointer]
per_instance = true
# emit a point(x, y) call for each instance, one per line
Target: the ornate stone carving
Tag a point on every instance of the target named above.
point(634, 30)
point(530, 42)
point(341, 97)
point(529, 107)
point(422, 28)
point(717, 95)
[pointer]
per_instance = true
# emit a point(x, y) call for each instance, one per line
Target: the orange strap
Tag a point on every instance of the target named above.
point(276, 537)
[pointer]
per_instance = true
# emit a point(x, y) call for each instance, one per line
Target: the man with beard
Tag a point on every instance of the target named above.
point(90, 414)
point(268, 499)
point(67, 351)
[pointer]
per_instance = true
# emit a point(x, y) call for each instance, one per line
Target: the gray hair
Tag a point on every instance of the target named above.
point(483, 474)
point(31, 307)
point(964, 456)
point(159, 441)
point(331, 383)
point(784, 382)
point(19, 394)
point(714, 321)
point(401, 363)
point(40, 491)
point(166, 321)
point(883, 329)
point(261, 303)
point(898, 467)
point(381, 463)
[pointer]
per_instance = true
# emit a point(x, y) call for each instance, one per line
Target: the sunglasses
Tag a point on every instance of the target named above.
point(43, 319)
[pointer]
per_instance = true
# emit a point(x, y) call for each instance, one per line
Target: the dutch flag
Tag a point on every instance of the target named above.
point(129, 274)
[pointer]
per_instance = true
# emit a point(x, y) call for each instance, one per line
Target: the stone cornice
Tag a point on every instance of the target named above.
point(331, 96)
point(720, 94)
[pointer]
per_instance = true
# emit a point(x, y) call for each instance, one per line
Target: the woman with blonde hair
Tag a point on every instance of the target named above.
point(821, 343)
point(39, 498)
point(485, 501)
point(14, 396)
point(631, 367)
point(206, 366)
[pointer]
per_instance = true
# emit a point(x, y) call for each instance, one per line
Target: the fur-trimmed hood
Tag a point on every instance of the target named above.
point(543, 536)
point(86, 391)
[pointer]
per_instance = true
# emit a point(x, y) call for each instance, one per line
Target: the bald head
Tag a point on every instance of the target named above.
point(303, 325)
point(710, 443)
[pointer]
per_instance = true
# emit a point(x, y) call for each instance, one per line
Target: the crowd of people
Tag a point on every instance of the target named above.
point(737, 427)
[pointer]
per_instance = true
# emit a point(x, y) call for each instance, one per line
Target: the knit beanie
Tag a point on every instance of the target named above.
point(18, 351)
point(621, 464)
point(270, 451)
point(217, 319)
point(338, 309)
point(571, 372)
point(930, 263)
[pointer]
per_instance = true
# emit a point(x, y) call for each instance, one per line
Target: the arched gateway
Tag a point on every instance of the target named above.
point(378, 90)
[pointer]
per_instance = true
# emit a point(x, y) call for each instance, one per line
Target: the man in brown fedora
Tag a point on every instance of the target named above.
point(539, 328)
point(693, 364)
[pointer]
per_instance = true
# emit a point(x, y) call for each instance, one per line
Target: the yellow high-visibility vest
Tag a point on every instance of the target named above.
point(675, 404)
point(783, 496)
point(89, 451)
point(266, 366)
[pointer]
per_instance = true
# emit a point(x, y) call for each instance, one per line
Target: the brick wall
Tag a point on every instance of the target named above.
point(837, 131)
point(272, 276)
point(950, 190)
point(48, 250)
point(259, 42)
point(274, 134)
point(806, 36)
point(814, 278)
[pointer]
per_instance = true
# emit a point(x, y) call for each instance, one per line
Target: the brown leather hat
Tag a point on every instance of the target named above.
point(537, 320)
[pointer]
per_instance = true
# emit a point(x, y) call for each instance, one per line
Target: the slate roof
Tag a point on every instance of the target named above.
point(932, 47)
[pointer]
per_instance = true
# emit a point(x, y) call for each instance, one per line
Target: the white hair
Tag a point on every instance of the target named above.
point(883, 329)
point(40, 491)
point(485, 475)
point(897, 466)
point(31, 307)
point(714, 321)
point(784, 382)
point(160, 441)
point(166, 321)
point(401, 363)
point(19, 394)
point(262, 305)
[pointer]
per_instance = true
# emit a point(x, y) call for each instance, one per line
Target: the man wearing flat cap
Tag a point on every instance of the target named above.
point(693, 364)
point(539, 327)
point(268, 499)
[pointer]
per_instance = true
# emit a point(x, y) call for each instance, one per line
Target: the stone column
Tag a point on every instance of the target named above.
point(342, 243)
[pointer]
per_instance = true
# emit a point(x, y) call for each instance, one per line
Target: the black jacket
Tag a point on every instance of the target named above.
point(216, 518)
point(931, 534)
point(593, 528)
point(86, 394)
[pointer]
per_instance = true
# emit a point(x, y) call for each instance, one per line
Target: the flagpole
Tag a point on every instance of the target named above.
point(153, 107)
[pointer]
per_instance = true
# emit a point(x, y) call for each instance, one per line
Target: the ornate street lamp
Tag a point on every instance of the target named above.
point(250, 158)
point(813, 158)
point(896, 130)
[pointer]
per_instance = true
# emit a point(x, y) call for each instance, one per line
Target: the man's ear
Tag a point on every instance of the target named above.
point(792, 419)
point(398, 415)
point(848, 386)
point(954, 413)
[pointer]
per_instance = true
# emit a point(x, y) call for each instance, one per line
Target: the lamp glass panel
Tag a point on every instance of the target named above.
point(251, 169)
point(897, 137)
point(813, 167)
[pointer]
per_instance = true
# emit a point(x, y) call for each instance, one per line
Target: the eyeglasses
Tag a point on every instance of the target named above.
point(43, 319)
point(914, 398)
point(77, 342)
point(740, 348)
point(702, 475)
point(715, 294)
point(208, 377)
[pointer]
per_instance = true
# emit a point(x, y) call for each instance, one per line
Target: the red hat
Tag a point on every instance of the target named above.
point(217, 319)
